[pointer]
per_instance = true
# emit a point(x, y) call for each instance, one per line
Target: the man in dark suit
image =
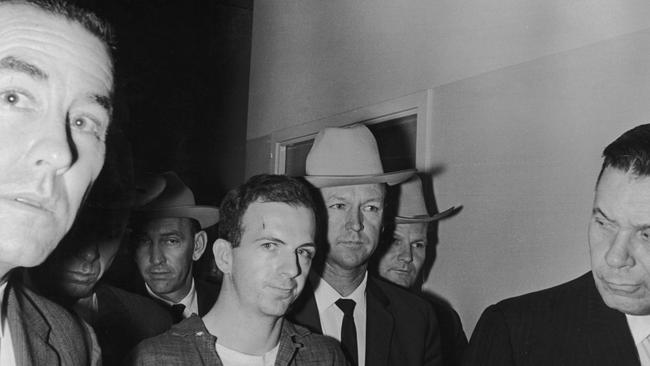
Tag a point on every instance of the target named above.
point(402, 256)
point(168, 237)
point(377, 322)
point(56, 84)
point(72, 274)
point(265, 249)
point(602, 317)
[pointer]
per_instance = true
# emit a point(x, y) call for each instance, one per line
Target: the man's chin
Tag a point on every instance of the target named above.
point(627, 305)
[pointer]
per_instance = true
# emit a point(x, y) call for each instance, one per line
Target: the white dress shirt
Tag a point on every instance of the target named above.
point(640, 329)
point(190, 301)
point(6, 345)
point(331, 317)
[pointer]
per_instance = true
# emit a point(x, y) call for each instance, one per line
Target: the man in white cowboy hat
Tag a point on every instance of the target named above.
point(168, 237)
point(402, 257)
point(377, 323)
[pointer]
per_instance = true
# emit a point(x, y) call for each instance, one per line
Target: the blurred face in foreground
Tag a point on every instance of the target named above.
point(55, 83)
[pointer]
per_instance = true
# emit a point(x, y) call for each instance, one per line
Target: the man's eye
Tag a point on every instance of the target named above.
point(11, 98)
point(371, 208)
point(16, 99)
point(418, 245)
point(305, 253)
point(337, 206)
point(645, 235)
point(87, 124)
point(268, 245)
point(602, 223)
point(141, 241)
point(173, 241)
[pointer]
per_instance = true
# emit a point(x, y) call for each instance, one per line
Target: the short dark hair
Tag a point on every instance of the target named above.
point(72, 12)
point(630, 152)
point(260, 188)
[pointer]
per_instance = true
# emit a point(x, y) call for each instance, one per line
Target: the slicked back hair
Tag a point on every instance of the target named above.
point(74, 13)
point(629, 153)
point(260, 188)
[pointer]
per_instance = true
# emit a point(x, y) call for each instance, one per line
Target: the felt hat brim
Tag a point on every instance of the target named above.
point(205, 215)
point(425, 218)
point(392, 178)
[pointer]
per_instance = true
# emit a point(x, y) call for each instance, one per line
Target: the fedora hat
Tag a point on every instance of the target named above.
point(411, 207)
point(166, 195)
point(343, 156)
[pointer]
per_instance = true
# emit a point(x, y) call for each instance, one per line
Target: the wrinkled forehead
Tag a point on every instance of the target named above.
point(27, 31)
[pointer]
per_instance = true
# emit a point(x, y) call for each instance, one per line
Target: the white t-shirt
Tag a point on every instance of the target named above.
point(230, 357)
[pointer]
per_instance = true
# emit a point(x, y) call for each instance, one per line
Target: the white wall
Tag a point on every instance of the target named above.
point(526, 95)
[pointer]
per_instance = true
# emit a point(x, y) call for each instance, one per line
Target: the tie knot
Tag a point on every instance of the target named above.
point(177, 312)
point(346, 305)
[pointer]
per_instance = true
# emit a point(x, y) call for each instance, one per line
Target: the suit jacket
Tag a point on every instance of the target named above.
point(565, 325)
point(401, 328)
point(123, 319)
point(190, 343)
point(43, 333)
point(453, 340)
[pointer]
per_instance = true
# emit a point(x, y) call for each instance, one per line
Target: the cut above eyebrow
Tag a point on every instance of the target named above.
point(16, 64)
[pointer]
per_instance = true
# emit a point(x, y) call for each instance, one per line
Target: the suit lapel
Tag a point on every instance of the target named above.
point(610, 341)
point(379, 325)
point(304, 310)
point(30, 331)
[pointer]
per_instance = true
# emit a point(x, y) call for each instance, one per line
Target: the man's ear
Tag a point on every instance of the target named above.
point(200, 243)
point(222, 250)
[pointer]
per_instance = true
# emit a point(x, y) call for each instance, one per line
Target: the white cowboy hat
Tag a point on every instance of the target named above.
point(411, 207)
point(343, 156)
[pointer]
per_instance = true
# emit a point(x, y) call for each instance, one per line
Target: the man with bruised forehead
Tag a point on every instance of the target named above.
point(56, 81)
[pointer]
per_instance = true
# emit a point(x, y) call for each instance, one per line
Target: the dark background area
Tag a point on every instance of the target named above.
point(183, 87)
point(182, 96)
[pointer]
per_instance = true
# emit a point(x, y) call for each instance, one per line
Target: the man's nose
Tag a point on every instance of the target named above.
point(405, 253)
point(53, 147)
point(354, 219)
point(289, 265)
point(89, 253)
point(618, 255)
point(156, 256)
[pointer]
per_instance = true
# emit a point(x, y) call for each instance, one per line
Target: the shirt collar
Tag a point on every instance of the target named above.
point(3, 307)
point(187, 300)
point(326, 295)
point(639, 326)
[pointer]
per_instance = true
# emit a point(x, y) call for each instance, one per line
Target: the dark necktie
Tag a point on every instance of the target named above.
point(177, 312)
point(348, 330)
